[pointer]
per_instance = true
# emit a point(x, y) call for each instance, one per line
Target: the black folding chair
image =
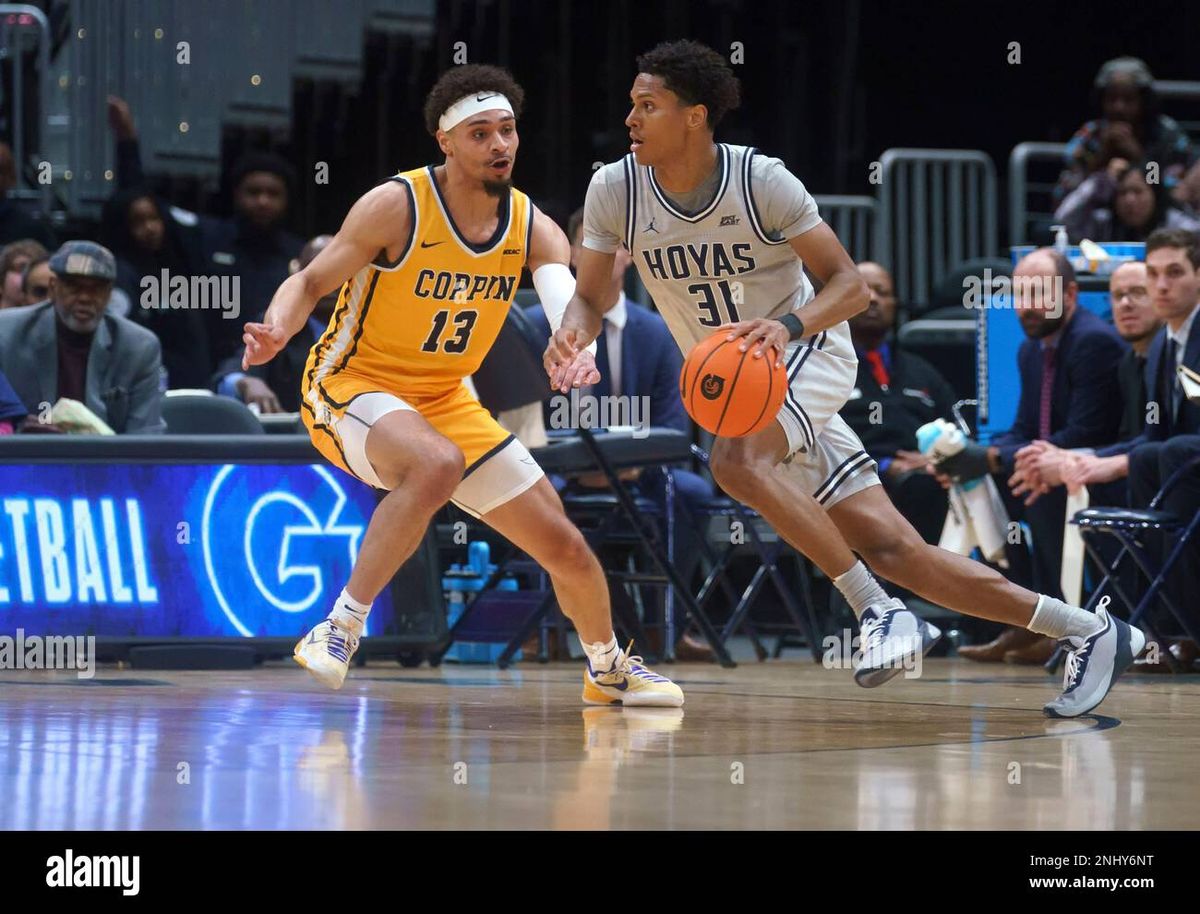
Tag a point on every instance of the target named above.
point(802, 620)
point(1128, 525)
point(512, 376)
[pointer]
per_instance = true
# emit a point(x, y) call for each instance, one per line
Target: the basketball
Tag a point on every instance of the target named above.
point(729, 392)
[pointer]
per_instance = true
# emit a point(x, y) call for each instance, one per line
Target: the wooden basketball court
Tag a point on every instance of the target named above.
point(786, 744)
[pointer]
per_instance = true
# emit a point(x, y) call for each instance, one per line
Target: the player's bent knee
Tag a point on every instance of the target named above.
point(571, 556)
point(440, 471)
point(432, 467)
point(740, 478)
point(898, 558)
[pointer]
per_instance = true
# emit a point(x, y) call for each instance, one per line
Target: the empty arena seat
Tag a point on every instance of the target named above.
point(200, 415)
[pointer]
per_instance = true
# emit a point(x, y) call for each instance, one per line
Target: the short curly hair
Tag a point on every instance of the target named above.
point(465, 80)
point(697, 74)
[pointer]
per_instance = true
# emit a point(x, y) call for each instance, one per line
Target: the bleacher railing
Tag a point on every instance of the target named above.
point(937, 208)
point(19, 20)
point(852, 220)
point(1022, 191)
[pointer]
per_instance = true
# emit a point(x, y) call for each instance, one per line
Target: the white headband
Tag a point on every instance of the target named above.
point(470, 105)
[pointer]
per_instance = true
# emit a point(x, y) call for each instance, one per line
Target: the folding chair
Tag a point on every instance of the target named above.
point(1127, 525)
point(612, 452)
point(768, 570)
point(512, 376)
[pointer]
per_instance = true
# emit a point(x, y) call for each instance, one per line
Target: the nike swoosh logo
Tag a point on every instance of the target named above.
point(619, 686)
point(427, 244)
point(483, 97)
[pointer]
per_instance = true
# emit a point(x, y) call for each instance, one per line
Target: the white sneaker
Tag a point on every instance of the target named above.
point(326, 652)
point(1095, 663)
point(891, 638)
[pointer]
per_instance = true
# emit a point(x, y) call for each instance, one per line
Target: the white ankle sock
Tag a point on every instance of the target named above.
point(1062, 620)
point(603, 656)
point(860, 589)
point(349, 614)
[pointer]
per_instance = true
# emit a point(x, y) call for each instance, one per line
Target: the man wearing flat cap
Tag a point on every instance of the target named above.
point(70, 347)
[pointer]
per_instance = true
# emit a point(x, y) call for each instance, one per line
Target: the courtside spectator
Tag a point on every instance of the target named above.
point(35, 281)
point(1130, 127)
point(71, 347)
point(1068, 373)
point(1118, 203)
point(148, 239)
point(15, 258)
point(252, 245)
point(895, 394)
point(275, 387)
point(1173, 280)
point(1138, 323)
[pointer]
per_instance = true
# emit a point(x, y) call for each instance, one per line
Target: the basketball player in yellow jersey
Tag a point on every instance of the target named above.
point(428, 264)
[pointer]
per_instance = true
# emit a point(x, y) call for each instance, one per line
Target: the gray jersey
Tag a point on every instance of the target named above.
point(729, 260)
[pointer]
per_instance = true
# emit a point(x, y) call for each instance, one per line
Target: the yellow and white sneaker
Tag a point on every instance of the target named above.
point(631, 683)
point(326, 652)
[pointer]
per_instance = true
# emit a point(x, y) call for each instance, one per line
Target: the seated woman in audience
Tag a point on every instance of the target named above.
point(147, 239)
point(14, 259)
point(1119, 204)
point(1130, 127)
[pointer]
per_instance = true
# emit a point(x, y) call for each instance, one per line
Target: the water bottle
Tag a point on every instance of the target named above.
point(940, 439)
point(1062, 243)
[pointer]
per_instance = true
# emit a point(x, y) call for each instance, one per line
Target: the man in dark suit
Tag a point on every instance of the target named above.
point(637, 357)
point(1173, 280)
point(896, 392)
point(70, 347)
point(1104, 469)
point(1171, 432)
point(1069, 397)
point(275, 387)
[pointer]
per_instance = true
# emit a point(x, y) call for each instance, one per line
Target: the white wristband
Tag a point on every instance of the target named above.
point(555, 285)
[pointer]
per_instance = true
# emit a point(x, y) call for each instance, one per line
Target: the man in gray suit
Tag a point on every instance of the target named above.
point(70, 347)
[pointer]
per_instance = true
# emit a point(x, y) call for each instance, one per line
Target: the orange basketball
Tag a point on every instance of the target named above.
point(729, 392)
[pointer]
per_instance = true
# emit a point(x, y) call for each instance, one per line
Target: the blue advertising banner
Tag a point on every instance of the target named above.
point(145, 550)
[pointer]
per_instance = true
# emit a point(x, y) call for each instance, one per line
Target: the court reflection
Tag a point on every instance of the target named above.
point(782, 747)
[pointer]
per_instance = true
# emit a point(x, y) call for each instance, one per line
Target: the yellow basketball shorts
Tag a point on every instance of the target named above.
point(340, 410)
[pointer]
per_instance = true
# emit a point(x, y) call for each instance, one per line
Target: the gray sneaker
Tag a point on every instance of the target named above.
point(1095, 663)
point(890, 637)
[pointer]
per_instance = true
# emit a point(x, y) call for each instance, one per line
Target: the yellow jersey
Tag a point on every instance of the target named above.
point(422, 323)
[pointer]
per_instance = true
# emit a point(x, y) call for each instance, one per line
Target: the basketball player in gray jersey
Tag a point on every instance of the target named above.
point(721, 237)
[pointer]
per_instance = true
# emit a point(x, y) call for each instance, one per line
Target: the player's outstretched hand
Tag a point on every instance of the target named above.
point(560, 350)
point(263, 342)
point(579, 372)
point(763, 332)
point(566, 364)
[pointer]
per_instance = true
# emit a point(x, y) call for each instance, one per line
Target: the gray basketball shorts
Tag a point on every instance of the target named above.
point(824, 453)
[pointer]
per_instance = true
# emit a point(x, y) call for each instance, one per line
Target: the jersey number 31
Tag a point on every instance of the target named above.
point(710, 308)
